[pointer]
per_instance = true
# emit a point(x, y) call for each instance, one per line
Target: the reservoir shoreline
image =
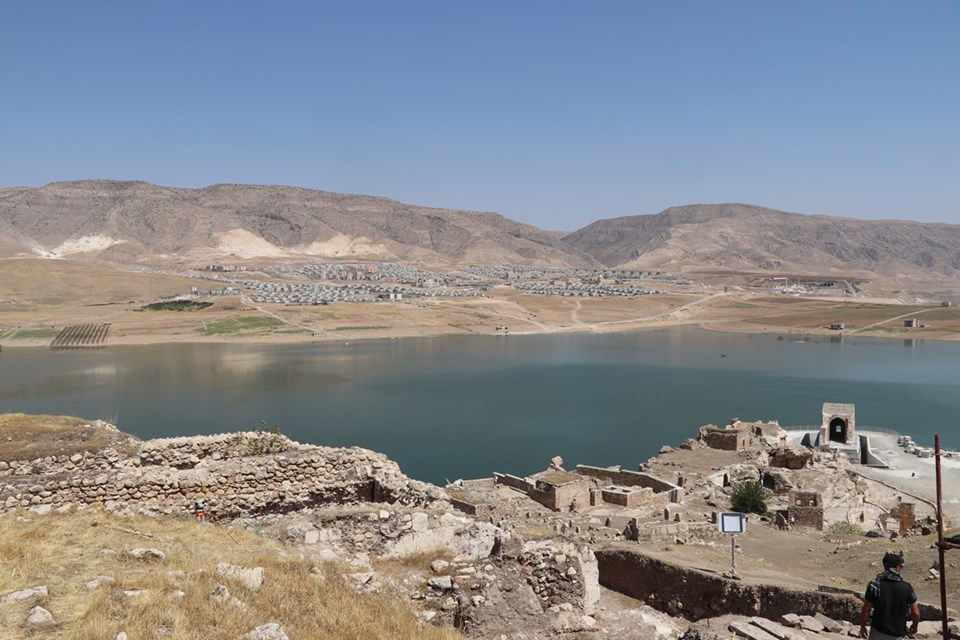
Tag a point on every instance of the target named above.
point(467, 405)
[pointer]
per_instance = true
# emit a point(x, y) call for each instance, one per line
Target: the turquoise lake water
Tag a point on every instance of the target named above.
point(463, 407)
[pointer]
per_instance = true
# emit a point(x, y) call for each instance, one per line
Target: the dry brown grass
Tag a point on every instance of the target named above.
point(27, 437)
point(63, 551)
point(58, 282)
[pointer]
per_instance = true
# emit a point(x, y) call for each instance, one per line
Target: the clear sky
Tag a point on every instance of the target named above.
point(551, 112)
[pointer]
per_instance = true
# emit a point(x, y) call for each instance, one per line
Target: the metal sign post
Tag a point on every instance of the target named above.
point(733, 523)
point(942, 545)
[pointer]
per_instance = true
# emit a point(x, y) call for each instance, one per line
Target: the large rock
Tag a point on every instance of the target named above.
point(461, 537)
point(39, 617)
point(24, 594)
point(420, 521)
point(147, 554)
point(269, 631)
point(251, 577)
point(778, 481)
point(791, 457)
point(738, 473)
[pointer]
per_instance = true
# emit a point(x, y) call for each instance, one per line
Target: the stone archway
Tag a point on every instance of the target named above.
point(838, 424)
point(838, 430)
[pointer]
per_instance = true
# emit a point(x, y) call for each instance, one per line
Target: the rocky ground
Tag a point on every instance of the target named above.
point(517, 570)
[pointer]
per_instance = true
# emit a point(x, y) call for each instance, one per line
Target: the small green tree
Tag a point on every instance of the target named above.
point(749, 497)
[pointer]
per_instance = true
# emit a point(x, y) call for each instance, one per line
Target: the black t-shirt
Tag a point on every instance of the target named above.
point(890, 596)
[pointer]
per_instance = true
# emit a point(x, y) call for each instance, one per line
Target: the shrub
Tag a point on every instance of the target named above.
point(177, 305)
point(749, 497)
point(846, 528)
point(261, 440)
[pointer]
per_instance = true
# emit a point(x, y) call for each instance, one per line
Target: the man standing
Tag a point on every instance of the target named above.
point(890, 597)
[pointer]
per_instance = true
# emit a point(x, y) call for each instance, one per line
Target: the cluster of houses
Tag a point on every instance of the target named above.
point(524, 272)
point(583, 290)
point(367, 272)
point(312, 293)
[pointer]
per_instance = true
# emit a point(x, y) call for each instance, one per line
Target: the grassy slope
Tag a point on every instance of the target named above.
point(63, 551)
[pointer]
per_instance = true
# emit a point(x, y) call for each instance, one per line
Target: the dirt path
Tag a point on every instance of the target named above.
point(597, 326)
point(900, 317)
point(246, 301)
point(659, 316)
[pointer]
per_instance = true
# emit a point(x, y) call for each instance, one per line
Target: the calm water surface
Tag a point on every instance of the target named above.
point(454, 407)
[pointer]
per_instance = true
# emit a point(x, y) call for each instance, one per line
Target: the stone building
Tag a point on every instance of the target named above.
point(630, 488)
point(561, 490)
point(838, 423)
point(555, 489)
point(734, 437)
point(806, 509)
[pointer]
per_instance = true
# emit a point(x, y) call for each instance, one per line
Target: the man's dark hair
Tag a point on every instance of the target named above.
point(891, 560)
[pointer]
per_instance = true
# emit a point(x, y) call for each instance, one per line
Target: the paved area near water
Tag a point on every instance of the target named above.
point(914, 475)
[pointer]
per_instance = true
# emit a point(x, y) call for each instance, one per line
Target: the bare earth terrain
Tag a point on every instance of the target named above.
point(40, 297)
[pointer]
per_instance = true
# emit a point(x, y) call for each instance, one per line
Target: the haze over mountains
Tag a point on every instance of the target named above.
point(137, 221)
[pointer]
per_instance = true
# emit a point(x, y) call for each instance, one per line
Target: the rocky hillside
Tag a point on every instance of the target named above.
point(745, 237)
point(129, 221)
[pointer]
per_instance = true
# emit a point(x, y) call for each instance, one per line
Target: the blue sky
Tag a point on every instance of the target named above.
point(550, 112)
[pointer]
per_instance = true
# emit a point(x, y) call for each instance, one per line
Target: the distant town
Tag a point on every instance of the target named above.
point(330, 282)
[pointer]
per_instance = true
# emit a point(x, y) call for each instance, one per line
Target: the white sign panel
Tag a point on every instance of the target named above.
point(733, 523)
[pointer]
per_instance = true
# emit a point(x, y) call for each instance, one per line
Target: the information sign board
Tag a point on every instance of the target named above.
point(733, 522)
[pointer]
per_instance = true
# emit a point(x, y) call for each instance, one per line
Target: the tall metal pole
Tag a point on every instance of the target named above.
point(940, 548)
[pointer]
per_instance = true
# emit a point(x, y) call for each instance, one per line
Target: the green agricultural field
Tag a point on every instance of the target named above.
point(366, 328)
point(240, 325)
point(35, 334)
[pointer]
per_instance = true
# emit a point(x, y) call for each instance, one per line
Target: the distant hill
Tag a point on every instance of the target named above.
point(739, 237)
point(127, 222)
point(131, 221)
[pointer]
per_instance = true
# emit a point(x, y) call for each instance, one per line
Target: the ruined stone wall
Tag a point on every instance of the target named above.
point(673, 493)
point(233, 473)
point(513, 481)
point(806, 516)
point(186, 453)
point(568, 497)
point(544, 497)
point(806, 509)
point(564, 497)
point(638, 498)
point(695, 594)
point(727, 441)
point(481, 511)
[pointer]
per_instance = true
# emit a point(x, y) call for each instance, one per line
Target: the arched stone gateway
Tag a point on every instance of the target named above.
point(838, 424)
point(838, 431)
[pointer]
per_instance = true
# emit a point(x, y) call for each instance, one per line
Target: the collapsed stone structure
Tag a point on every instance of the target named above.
point(741, 436)
point(567, 491)
point(236, 473)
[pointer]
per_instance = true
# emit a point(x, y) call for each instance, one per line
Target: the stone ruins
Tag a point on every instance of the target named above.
point(514, 556)
point(236, 474)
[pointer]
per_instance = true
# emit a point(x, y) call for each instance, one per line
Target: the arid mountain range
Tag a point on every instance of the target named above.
point(140, 222)
point(130, 221)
